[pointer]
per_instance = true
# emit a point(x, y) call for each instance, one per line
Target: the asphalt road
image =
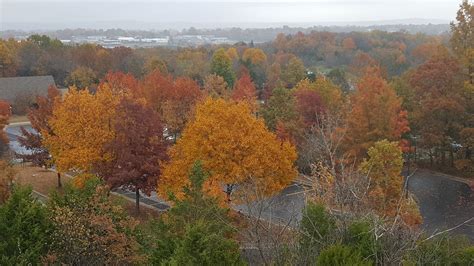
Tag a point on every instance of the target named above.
point(444, 202)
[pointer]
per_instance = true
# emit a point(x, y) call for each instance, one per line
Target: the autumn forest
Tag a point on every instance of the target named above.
point(314, 148)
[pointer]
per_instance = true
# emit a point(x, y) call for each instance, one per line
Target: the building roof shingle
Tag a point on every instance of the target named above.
point(32, 86)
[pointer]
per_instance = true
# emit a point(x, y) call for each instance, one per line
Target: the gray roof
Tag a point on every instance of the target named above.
point(32, 86)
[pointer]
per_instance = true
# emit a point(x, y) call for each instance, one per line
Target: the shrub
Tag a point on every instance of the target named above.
point(24, 229)
point(442, 250)
point(89, 230)
point(361, 238)
point(316, 224)
point(338, 255)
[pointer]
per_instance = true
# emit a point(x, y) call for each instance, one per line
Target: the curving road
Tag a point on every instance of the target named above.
point(444, 201)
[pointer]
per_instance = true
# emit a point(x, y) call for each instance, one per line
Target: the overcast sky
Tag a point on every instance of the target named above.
point(214, 13)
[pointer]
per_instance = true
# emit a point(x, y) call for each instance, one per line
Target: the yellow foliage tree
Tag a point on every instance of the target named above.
point(81, 125)
point(232, 53)
point(384, 168)
point(254, 55)
point(234, 147)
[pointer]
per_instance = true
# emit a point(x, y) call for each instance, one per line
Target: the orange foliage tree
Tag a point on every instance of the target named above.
point(234, 147)
point(376, 114)
point(348, 44)
point(361, 62)
point(254, 56)
point(154, 88)
point(172, 99)
point(81, 125)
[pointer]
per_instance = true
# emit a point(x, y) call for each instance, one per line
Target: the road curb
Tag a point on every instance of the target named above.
point(466, 181)
point(16, 124)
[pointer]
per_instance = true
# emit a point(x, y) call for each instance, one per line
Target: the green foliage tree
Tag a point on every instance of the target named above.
point(196, 231)
point(462, 39)
point(361, 238)
point(221, 65)
point(338, 77)
point(45, 41)
point(280, 108)
point(82, 78)
point(316, 229)
point(24, 229)
point(294, 72)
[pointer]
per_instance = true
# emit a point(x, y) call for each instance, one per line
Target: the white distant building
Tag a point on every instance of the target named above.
point(127, 39)
point(159, 41)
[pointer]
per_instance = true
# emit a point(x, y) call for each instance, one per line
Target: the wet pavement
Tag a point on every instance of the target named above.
point(444, 202)
point(13, 132)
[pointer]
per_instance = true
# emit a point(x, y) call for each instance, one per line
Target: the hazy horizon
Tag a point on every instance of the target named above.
point(148, 14)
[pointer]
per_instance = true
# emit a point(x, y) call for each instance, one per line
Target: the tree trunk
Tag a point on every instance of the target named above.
point(416, 155)
point(228, 192)
point(443, 157)
point(59, 180)
point(451, 157)
point(137, 201)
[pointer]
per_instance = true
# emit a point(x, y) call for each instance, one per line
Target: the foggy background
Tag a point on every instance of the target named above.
point(158, 14)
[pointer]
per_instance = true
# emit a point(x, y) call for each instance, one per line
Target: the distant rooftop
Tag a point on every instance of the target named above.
point(10, 88)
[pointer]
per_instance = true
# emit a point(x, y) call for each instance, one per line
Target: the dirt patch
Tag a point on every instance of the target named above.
point(42, 180)
point(45, 181)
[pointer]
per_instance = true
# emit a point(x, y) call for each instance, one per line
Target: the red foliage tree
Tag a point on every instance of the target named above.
point(5, 109)
point(309, 106)
point(244, 90)
point(4, 115)
point(39, 115)
point(440, 114)
point(33, 141)
point(136, 150)
point(120, 82)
